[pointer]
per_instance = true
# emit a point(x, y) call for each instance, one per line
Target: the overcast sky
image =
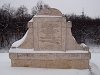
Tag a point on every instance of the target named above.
point(91, 7)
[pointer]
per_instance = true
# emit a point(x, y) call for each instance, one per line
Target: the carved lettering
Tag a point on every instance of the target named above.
point(50, 35)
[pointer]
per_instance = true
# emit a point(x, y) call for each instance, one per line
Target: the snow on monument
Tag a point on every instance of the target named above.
point(49, 43)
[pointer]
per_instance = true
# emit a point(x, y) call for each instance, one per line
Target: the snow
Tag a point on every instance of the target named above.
point(6, 69)
point(83, 45)
point(19, 50)
point(96, 59)
point(46, 16)
point(19, 42)
point(94, 69)
point(95, 49)
point(31, 20)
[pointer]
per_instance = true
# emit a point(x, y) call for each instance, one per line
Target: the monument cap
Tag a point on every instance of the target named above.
point(49, 11)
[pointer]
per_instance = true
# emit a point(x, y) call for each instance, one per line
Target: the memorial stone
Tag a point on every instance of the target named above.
point(49, 43)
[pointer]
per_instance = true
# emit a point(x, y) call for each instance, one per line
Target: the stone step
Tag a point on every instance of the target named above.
point(49, 55)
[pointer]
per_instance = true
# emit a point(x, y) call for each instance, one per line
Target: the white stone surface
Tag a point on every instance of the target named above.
point(46, 16)
point(19, 50)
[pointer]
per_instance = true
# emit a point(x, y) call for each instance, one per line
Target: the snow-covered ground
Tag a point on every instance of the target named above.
point(6, 69)
point(95, 49)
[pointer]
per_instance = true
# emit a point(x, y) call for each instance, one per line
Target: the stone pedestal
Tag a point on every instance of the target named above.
point(52, 59)
point(49, 43)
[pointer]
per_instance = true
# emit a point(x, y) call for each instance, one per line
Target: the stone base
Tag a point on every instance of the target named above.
point(63, 64)
point(50, 59)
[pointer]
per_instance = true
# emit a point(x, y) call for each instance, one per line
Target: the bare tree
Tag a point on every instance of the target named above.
point(9, 9)
point(40, 5)
point(21, 11)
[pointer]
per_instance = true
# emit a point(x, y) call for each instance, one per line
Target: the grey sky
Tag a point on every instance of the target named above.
point(91, 7)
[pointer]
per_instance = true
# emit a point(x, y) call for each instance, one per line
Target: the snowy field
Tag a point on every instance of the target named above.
point(6, 69)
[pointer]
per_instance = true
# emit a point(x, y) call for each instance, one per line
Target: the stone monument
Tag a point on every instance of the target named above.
point(49, 43)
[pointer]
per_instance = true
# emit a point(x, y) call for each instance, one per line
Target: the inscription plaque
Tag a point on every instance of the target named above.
point(50, 35)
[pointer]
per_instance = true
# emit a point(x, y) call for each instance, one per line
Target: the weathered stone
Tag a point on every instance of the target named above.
point(49, 44)
point(64, 64)
point(49, 11)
